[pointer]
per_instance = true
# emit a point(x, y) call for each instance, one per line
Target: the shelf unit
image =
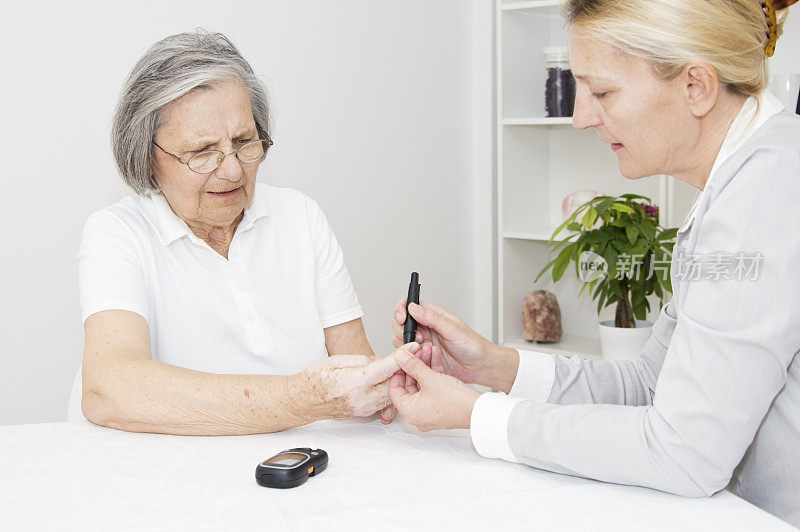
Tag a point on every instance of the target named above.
point(534, 4)
point(539, 161)
point(570, 344)
point(538, 121)
point(539, 234)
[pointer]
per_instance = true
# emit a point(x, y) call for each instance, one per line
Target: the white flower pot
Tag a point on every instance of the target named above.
point(621, 343)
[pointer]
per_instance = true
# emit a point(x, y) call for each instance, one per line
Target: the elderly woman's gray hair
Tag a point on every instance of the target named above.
point(169, 69)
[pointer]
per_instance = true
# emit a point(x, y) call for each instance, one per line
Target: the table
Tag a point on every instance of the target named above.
point(78, 476)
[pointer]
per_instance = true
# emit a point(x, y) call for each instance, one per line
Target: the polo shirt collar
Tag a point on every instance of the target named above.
point(171, 228)
point(256, 211)
point(168, 225)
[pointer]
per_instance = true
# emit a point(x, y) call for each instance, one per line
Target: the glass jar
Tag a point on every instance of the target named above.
point(559, 96)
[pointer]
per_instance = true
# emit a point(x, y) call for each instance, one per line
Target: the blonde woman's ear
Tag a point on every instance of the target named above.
point(702, 88)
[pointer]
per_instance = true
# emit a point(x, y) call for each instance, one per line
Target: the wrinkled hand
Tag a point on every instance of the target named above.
point(344, 386)
point(461, 353)
point(427, 399)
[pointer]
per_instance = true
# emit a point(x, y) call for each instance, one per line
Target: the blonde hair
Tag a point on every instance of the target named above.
point(730, 35)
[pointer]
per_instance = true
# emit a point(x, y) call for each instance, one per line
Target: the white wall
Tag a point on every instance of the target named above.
point(371, 98)
point(787, 52)
point(372, 103)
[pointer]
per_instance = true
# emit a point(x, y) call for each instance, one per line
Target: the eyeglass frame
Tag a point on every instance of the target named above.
point(236, 151)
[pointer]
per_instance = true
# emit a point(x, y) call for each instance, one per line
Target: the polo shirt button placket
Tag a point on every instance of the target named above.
point(255, 329)
point(242, 301)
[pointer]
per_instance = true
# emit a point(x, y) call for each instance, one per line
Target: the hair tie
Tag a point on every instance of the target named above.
point(769, 7)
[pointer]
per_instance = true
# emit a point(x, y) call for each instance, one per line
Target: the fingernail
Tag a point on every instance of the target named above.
point(402, 356)
point(413, 347)
point(398, 317)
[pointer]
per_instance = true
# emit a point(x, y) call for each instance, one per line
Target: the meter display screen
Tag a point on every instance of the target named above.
point(286, 460)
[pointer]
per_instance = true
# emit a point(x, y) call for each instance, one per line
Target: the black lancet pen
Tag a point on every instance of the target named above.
point(410, 326)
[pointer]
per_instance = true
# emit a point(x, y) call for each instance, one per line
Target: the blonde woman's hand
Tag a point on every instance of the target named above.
point(462, 352)
point(428, 399)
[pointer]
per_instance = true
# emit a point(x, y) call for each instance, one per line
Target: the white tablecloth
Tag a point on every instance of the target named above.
point(77, 476)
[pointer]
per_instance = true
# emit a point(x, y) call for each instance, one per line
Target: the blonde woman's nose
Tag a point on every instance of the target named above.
point(584, 116)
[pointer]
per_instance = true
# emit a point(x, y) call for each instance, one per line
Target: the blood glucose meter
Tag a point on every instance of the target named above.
point(291, 467)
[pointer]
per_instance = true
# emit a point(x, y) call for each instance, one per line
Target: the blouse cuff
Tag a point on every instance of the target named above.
point(535, 376)
point(489, 425)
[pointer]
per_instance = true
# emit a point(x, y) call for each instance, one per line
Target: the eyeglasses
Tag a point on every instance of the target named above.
point(207, 161)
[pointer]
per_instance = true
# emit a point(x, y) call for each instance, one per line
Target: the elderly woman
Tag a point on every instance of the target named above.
point(213, 304)
point(675, 87)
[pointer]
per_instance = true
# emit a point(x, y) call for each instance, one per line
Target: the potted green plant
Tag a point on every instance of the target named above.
point(622, 255)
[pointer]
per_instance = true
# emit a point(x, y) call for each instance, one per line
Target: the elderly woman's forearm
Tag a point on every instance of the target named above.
point(151, 396)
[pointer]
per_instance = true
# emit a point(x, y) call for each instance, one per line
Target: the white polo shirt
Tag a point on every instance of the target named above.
point(262, 310)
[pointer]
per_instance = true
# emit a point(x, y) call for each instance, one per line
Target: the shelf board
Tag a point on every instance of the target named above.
point(570, 344)
point(538, 235)
point(539, 121)
point(533, 4)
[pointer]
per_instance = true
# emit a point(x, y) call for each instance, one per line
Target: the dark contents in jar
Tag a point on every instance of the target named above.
point(559, 92)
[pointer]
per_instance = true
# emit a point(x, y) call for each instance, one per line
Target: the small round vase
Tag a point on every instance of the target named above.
point(623, 343)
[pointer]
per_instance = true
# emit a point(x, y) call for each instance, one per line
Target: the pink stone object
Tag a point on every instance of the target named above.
point(541, 317)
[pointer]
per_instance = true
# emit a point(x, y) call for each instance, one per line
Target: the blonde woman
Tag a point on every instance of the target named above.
point(675, 87)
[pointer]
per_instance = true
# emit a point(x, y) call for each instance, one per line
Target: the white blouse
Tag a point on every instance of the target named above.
point(262, 310)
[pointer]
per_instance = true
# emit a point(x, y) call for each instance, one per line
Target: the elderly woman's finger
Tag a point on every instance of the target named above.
point(388, 414)
point(348, 361)
point(381, 369)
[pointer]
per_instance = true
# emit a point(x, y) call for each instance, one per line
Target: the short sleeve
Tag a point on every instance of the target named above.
point(110, 271)
point(336, 298)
